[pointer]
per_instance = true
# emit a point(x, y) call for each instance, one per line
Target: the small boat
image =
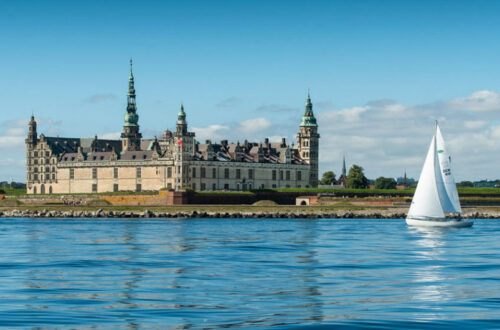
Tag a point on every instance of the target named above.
point(435, 202)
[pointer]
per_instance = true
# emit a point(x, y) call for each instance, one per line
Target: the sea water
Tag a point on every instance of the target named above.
point(206, 273)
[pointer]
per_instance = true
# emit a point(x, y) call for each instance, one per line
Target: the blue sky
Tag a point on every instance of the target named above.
point(242, 69)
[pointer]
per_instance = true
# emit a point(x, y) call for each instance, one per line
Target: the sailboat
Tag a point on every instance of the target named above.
point(435, 202)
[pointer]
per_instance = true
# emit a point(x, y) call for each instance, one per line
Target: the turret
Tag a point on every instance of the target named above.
point(308, 141)
point(131, 138)
point(32, 134)
point(181, 122)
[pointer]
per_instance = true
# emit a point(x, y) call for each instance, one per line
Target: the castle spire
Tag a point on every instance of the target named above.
point(131, 137)
point(181, 121)
point(308, 119)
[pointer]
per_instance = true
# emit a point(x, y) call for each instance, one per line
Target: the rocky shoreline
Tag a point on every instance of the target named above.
point(385, 214)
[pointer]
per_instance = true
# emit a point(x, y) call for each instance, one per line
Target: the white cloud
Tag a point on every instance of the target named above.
point(478, 101)
point(110, 136)
point(251, 126)
point(214, 133)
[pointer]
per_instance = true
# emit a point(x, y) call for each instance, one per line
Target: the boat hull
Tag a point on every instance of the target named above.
point(440, 222)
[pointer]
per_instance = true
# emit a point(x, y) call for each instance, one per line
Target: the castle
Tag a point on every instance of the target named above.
point(175, 161)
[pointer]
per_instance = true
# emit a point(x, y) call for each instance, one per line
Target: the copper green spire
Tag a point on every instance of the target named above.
point(131, 118)
point(308, 119)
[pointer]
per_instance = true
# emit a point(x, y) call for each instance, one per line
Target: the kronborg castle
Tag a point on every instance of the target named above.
point(176, 160)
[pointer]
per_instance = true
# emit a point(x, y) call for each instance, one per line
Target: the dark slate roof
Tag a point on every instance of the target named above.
point(271, 152)
point(136, 155)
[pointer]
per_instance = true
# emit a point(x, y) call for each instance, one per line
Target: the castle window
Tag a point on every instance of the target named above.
point(238, 174)
point(35, 177)
point(202, 173)
point(281, 175)
point(35, 154)
point(35, 169)
point(299, 175)
point(94, 173)
point(203, 187)
point(35, 161)
point(47, 176)
point(250, 174)
point(214, 173)
point(169, 172)
point(274, 185)
point(194, 172)
point(214, 187)
point(65, 158)
point(288, 175)
point(115, 187)
point(71, 173)
point(194, 186)
point(144, 156)
point(46, 154)
point(133, 156)
point(226, 186)
point(47, 169)
point(94, 158)
point(226, 173)
point(138, 173)
point(274, 174)
point(115, 173)
point(138, 187)
point(53, 176)
point(94, 187)
point(102, 157)
point(72, 158)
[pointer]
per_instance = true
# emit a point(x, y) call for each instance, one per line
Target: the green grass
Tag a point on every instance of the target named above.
point(14, 191)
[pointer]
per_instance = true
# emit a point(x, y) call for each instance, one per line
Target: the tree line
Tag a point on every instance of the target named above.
point(356, 179)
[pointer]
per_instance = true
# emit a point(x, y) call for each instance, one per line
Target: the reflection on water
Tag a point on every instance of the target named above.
point(244, 273)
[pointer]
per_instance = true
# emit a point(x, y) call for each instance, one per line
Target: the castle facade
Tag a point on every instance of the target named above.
point(174, 161)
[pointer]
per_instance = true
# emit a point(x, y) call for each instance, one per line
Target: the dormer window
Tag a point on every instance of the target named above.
point(102, 157)
point(133, 156)
point(72, 158)
point(144, 157)
point(94, 158)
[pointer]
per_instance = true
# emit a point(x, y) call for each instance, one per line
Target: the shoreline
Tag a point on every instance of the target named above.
point(299, 214)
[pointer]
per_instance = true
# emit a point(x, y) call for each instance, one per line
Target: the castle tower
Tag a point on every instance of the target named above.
point(184, 150)
point(31, 141)
point(32, 134)
point(181, 127)
point(131, 138)
point(308, 141)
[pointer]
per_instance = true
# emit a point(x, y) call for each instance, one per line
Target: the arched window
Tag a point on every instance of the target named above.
point(34, 190)
point(42, 189)
point(50, 189)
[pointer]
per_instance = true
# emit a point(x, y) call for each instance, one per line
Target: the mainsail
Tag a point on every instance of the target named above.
point(447, 175)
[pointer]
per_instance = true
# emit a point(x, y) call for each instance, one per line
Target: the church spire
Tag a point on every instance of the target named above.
point(344, 170)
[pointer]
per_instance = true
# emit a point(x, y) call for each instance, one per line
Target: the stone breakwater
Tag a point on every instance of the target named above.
point(386, 214)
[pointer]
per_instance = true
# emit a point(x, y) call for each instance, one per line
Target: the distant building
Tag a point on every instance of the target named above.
point(342, 180)
point(175, 161)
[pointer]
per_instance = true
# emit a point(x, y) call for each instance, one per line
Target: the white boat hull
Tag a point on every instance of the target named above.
point(443, 222)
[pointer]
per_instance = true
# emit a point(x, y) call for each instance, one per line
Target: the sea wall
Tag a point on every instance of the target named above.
point(107, 213)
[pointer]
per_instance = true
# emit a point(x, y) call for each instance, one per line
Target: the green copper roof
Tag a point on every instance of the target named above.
point(131, 117)
point(308, 119)
point(181, 112)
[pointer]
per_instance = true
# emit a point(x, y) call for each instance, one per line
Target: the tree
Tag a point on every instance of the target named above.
point(356, 179)
point(328, 178)
point(465, 184)
point(385, 183)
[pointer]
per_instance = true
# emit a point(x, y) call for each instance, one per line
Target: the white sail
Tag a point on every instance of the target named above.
point(426, 201)
point(451, 203)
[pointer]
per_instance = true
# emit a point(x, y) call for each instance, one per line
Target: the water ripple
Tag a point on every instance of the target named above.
point(246, 273)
